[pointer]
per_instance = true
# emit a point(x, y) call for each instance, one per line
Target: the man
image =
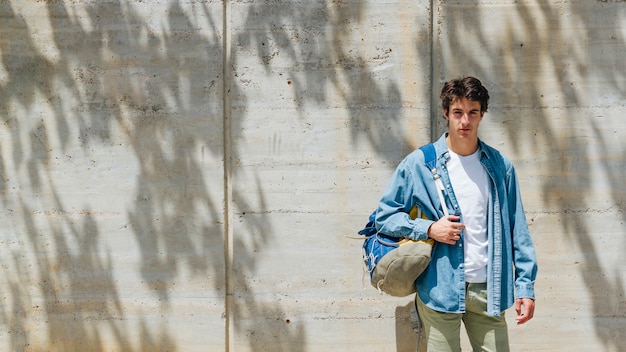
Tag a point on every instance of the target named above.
point(483, 254)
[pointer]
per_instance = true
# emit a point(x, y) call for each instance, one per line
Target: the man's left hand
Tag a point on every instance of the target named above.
point(525, 308)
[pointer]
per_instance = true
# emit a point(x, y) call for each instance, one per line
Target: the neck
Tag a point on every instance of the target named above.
point(463, 147)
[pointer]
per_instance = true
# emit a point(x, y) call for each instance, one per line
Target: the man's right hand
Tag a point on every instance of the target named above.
point(446, 230)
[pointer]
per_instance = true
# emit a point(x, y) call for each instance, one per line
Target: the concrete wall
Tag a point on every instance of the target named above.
point(190, 175)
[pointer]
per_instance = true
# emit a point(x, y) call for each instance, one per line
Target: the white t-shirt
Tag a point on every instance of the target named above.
point(471, 186)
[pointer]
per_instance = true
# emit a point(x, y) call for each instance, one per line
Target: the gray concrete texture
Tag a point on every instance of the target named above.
point(190, 175)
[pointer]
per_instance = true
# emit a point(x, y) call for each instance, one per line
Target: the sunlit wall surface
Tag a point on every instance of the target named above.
point(190, 175)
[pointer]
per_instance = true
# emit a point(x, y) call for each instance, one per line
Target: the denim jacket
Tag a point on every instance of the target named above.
point(512, 263)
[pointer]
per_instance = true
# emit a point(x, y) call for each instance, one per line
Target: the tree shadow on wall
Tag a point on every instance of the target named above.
point(160, 88)
point(294, 40)
point(321, 61)
point(568, 179)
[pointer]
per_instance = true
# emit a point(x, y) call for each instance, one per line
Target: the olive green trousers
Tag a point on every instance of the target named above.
point(443, 330)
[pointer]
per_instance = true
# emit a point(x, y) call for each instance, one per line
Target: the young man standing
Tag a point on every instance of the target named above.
point(483, 260)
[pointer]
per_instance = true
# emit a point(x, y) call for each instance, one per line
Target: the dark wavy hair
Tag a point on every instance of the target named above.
point(467, 87)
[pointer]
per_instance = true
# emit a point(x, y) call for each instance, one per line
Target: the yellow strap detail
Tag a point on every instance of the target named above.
point(406, 240)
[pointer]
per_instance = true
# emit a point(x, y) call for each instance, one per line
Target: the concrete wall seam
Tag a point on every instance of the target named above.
point(228, 175)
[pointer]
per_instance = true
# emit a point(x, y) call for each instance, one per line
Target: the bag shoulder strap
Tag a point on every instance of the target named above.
point(430, 159)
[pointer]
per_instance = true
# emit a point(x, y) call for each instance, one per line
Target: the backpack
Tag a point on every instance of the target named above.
point(394, 264)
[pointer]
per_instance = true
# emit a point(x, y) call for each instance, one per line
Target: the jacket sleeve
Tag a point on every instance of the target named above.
point(392, 217)
point(524, 258)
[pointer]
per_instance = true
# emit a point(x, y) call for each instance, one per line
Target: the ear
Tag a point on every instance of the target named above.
point(445, 114)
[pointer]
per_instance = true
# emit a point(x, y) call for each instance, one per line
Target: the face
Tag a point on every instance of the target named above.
point(463, 119)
